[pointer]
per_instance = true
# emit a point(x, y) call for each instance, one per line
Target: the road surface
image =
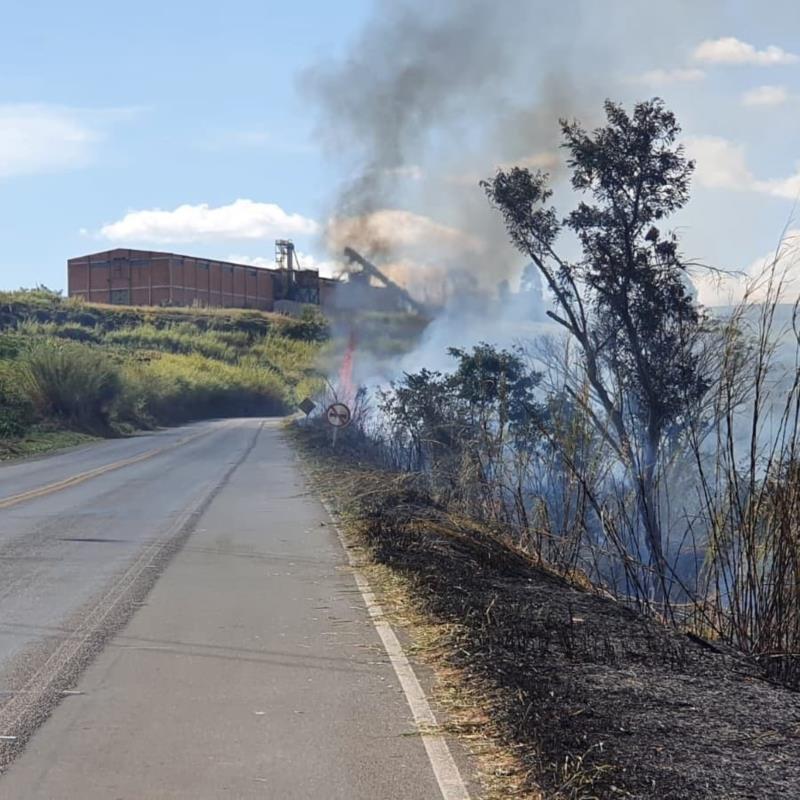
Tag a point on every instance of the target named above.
point(178, 620)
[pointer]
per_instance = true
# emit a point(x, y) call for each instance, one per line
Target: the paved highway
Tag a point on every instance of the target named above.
point(178, 620)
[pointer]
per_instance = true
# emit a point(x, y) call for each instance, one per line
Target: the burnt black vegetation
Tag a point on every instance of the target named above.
point(608, 519)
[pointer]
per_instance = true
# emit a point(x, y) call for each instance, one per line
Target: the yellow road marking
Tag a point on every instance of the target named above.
point(67, 483)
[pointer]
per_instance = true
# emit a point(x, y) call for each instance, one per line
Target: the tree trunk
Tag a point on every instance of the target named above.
point(649, 514)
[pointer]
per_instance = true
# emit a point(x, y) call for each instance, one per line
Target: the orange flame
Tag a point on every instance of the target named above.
point(346, 387)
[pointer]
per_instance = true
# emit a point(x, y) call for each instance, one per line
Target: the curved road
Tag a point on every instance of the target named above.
point(249, 668)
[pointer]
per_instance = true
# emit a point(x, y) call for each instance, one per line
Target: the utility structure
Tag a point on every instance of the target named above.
point(398, 295)
point(285, 257)
point(151, 278)
point(291, 283)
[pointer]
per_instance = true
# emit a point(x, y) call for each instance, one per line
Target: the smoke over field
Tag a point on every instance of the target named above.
point(653, 443)
point(431, 98)
point(518, 165)
point(424, 104)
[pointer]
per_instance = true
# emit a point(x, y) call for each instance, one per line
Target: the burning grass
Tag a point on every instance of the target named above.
point(588, 698)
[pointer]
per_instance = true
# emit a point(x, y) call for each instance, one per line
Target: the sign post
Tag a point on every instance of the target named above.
point(338, 416)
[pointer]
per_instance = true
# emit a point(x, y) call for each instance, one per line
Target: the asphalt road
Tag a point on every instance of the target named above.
point(177, 620)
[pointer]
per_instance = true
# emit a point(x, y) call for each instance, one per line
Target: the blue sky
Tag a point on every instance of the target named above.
point(142, 124)
point(161, 104)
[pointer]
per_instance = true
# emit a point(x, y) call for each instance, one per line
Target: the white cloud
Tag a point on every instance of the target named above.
point(242, 219)
point(252, 261)
point(786, 256)
point(787, 188)
point(665, 77)
point(729, 50)
point(328, 268)
point(765, 96)
point(722, 164)
point(783, 263)
point(40, 138)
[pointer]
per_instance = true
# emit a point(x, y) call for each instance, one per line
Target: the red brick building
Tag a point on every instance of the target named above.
point(147, 278)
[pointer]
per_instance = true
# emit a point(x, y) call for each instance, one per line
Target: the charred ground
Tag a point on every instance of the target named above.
point(594, 699)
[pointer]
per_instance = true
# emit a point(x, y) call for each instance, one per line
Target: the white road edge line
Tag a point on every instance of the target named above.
point(444, 766)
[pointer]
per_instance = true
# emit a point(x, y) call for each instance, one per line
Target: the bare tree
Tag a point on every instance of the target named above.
point(624, 299)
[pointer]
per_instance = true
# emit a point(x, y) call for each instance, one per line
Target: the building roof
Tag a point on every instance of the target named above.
point(149, 254)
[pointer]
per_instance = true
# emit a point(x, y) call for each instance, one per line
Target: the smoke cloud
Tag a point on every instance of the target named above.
point(432, 97)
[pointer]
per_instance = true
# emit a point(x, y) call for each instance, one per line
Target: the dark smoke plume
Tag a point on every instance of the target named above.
point(432, 97)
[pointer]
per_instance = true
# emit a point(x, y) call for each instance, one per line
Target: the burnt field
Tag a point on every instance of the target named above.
point(593, 699)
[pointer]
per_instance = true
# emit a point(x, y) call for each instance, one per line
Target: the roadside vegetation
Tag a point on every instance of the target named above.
point(604, 524)
point(70, 371)
point(558, 691)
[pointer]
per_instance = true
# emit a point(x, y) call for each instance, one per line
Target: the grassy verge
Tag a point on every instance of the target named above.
point(567, 694)
point(40, 441)
point(501, 771)
point(69, 370)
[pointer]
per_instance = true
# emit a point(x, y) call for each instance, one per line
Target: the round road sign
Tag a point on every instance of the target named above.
point(338, 415)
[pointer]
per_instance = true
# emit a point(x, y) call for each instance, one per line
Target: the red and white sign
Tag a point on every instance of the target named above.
point(338, 415)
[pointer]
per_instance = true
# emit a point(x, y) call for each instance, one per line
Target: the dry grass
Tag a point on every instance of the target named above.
point(561, 693)
point(501, 771)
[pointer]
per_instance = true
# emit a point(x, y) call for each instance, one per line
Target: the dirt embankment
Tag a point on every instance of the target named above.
point(594, 700)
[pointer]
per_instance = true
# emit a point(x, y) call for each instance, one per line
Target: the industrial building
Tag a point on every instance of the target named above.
point(148, 278)
point(151, 278)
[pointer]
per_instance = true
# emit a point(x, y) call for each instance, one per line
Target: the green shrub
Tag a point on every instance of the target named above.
point(32, 329)
point(111, 369)
point(181, 338)
point(76, 333)
point(172, 388)
point(294, 360)
point(71, 381)
point(17, 413)
point(310, 326)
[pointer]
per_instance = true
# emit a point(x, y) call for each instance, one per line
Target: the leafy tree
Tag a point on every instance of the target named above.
point(498, 385)
point(418, 408)
point(625, 298)
point(459, 426)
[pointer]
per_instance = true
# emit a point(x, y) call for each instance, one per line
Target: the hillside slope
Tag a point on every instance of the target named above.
point(69, 370)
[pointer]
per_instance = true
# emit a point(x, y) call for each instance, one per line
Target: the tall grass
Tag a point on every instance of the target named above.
point(17, 412)
point(99, 390)
point(71, 382)
point(295, 361)
point(727, 485)
point(110, 370)
point(182, 338)
point(749, 482)
point(170, 388)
